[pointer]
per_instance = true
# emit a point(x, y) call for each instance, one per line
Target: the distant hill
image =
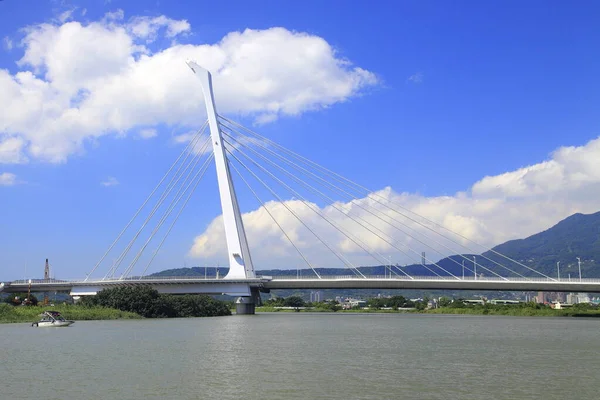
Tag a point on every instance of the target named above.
point(575, 236)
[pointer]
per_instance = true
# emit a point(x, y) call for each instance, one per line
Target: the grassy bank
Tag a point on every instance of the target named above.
point(10, 313)
point(514, 311)
point(321, 310)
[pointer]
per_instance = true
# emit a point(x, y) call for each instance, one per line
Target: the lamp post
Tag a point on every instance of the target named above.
point(463, 263)
point(558, 269)
point(475, 267)
point(579, 265)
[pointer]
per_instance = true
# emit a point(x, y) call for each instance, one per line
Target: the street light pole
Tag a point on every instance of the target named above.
point(558, 269)
point(463, 269)
point(475, 267)
point(579, 265)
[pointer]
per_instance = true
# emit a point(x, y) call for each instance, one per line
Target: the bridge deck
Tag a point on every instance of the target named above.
point(212, 285)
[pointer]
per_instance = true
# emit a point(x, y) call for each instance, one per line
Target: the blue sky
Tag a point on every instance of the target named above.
point(457, 91)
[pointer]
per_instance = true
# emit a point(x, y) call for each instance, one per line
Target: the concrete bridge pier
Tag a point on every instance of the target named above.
point(246, 305)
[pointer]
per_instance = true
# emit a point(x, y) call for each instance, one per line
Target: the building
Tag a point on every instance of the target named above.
point(315, 297)
point(541, 298)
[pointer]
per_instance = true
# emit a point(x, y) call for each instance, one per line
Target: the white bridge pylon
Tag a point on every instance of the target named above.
point(240, 261)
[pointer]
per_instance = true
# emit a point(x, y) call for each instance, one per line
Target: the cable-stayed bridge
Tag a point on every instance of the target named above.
point(353, 226)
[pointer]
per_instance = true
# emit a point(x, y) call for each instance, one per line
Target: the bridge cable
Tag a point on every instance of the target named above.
point(339, 256)
point(353, 238)
point(142, 206)
point(274, 219)
point(326, 183)
point(333, 205)
point(294, 165)
point(165, 194)
point(381, 257)
point(203, 170)
point(178, 195)
point(345, 181)
point(170, 186)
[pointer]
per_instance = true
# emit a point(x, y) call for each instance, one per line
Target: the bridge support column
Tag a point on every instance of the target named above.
point(247, 305)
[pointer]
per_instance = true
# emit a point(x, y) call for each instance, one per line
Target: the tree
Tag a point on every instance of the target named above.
point(294, 301)
point(376, 303)
point(17, 299)
point(396, 301)
point(421, 305)
point(444, 302)
point(147, 302)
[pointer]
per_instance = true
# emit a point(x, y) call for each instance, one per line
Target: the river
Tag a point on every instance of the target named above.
point(305, 356)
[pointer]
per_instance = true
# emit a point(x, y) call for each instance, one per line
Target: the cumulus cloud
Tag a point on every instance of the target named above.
point(7, 179)
point(496, 209)
point(78, 81)
point(110, 181)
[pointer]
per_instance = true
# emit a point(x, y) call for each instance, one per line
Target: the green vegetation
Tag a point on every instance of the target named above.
point(273, 305)
point(399, 304)
point(17, 299)
point(118, 303)
point(9, 313)
point(522, 309)
point(147, 302)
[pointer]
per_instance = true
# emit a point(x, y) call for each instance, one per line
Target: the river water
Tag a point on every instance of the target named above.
point(305, 356)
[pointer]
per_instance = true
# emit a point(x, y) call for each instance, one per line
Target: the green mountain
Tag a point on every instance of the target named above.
point(575, 236)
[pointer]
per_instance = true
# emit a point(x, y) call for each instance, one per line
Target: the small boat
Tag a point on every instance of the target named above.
point(52, 319)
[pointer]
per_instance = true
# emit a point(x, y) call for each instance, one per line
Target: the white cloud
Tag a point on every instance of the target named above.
point(498, 208)
point(11, 150)
point(148, 133)
point(8, 179)
point(66, 15)
point(79, 81)
point(148, 28)
point(8, 44)
point(110, 181)
point(416, 78)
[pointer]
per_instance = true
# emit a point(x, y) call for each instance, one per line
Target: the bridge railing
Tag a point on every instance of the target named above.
point(296, 277)
point(437, 278)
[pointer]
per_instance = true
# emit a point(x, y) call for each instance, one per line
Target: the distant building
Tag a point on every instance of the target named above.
point(583, 298)
point(541, 298)
point(315, 297)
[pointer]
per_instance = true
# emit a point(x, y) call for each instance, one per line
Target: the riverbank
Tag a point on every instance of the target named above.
point(477, 310)
point(515, 311)
point(12, 314)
